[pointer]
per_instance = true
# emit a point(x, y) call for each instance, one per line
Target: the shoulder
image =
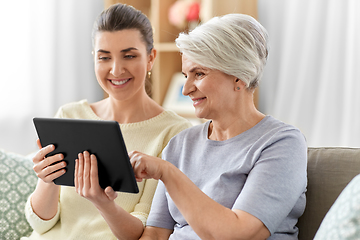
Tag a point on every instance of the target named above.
point(171, 116)
point(161, 127)
point(281, 140)
point(193, 133)
point(272, 123)
point(186, 140)
point(274, 129)
point(80, 109)
point(171, 120)
point(74, 105)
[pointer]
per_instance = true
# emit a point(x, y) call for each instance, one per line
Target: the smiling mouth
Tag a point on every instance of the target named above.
point(119, 82)
point(198, 99)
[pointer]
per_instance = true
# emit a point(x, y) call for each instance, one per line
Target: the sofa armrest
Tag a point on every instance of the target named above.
point(17, 182)
point(330, 169)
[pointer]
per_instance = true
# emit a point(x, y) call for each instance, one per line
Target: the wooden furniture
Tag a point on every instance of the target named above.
point(168, 59)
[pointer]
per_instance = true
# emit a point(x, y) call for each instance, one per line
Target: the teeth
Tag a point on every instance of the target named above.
point(197, 100)
point(119, 82)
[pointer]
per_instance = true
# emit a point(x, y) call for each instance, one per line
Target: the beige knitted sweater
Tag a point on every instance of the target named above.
point(77, 218)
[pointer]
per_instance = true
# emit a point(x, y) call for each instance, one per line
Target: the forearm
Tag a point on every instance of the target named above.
point(154, 233)
point(122, 224)
point(209, 219)
point(45, 200)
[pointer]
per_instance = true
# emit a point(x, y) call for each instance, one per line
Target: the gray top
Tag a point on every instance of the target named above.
point(261, 171)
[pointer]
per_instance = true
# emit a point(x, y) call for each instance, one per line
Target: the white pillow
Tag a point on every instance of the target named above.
point(17, 182)
point(343, 219)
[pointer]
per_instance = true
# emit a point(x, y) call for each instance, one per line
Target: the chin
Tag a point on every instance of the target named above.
point(200, 115)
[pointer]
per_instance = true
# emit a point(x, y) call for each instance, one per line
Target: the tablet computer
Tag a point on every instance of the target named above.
point(99, 137)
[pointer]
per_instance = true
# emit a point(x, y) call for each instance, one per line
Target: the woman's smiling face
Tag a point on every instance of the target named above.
point(121, 63)
point(209, 89)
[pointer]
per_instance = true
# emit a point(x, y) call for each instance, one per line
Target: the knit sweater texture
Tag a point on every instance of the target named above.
point(76, 217)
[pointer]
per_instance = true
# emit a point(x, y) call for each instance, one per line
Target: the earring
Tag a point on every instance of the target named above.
point(149, 74)
point(237, 80)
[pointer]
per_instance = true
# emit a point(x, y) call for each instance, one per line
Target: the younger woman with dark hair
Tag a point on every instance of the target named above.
point(123, 55)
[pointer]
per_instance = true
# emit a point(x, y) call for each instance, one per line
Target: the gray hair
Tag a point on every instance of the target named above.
point(235, 44)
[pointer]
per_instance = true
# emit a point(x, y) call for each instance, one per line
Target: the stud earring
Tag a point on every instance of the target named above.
point(237, 88)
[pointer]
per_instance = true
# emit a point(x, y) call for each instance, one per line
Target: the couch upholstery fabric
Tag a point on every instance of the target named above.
point(330, 169)
point(17, 182)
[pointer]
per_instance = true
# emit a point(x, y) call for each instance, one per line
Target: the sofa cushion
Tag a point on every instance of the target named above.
point(17, 182)
point(343, 219)
point(330, 169)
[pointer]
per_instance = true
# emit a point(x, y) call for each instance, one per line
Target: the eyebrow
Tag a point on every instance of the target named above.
point(195, 69)
point(103, 51)
point(124, 50)
point(128, 49)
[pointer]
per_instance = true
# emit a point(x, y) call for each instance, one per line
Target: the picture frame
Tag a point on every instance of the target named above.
point(175, 100)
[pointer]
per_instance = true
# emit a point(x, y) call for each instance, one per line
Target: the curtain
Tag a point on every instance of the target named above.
point(46, 62)
point(312, 77)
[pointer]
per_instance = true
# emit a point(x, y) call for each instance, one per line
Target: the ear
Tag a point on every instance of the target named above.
point(93, 54)
point(151, 59)
point(239, 84)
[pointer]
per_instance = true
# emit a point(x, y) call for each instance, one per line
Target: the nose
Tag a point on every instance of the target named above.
point(116, 69)
point(188, 87)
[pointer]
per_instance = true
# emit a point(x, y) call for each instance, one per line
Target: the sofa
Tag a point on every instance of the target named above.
point(17, 182)
point(330, 169)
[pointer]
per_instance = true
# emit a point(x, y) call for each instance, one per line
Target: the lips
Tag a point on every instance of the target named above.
point(119, 82)
point(197, 101)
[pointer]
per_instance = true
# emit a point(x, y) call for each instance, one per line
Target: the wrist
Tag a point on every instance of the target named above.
point(167, 170)
point(106, 207)
point(50, 186)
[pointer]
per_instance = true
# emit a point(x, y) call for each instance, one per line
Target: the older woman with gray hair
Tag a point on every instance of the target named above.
point(240, 175)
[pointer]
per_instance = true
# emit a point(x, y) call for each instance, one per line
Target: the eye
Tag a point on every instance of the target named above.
point(103, 58)
point(129, 56)
point(199, 74)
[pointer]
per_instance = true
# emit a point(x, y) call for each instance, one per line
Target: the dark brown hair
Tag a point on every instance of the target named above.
point(121, 16)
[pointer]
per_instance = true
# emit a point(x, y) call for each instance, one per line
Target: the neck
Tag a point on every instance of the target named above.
point(233, 123)
point(127, 111)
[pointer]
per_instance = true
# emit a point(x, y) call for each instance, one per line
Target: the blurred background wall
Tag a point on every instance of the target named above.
point(311, 79)
point(45, 62)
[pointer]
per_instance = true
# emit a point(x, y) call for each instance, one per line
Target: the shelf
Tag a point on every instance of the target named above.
point(166, 47)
